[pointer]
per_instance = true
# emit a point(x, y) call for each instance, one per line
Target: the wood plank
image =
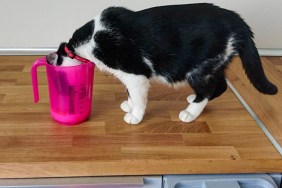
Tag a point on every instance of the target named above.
point(181, 152)
point(238, 140)
point(59, 153)
point(137, 167)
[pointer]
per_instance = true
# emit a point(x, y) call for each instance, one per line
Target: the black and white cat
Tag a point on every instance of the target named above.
point(177, 45)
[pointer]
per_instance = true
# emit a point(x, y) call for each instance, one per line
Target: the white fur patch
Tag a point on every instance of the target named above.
point(229, 51)
point(149, 64)
point(98, 24)
point(163, 80)
point(229, 48)
point(67, 62)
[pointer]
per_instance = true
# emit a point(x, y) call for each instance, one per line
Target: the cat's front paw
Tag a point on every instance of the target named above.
point(131, 119)
point(125, 106)
point(186, 116)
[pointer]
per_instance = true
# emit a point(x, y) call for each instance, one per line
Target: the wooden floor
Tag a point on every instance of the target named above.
point(267, 108)
point(224, 139)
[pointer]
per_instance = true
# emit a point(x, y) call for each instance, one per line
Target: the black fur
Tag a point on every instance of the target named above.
point(61, 52)
point(82, 35)
point(183, 42)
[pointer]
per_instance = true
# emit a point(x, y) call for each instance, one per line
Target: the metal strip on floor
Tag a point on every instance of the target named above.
point(258, 121)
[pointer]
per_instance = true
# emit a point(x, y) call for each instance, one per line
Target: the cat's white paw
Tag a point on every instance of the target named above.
point(186, 116)
point(131, 119)
point(191, 98)
point(125, 106)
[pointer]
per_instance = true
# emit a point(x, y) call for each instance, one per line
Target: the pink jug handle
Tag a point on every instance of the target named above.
point(39, 62)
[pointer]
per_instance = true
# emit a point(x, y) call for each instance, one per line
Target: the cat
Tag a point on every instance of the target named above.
point(176, 44)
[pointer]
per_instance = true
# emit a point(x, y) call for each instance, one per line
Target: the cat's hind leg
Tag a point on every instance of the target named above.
point(194, 109)
point(206, 90)
point(220, 88)
point(203, 88)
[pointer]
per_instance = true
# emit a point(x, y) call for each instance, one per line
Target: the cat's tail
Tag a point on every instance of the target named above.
point(253, 68)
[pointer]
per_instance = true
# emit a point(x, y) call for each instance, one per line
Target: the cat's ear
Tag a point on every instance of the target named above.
point(52, 58)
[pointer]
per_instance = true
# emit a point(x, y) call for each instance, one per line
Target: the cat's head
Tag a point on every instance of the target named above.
point(60, 58)
point(80, 36)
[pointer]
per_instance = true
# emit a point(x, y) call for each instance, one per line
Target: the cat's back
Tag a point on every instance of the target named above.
point(186, 11)
point(178, 17)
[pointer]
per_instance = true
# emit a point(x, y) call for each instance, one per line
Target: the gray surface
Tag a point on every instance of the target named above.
point(155, 182)
point(82, 182)
point(277, 179)
point(80, 186)
point(220, 181)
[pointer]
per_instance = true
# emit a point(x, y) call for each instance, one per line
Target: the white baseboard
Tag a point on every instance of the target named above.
point(270, 52)
point(45, 51)
point(26, 51)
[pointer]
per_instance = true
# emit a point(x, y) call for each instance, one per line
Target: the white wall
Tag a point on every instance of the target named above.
point(45, 23)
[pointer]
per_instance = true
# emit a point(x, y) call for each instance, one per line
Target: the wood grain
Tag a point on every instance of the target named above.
point(267, 108)
point(224, 139)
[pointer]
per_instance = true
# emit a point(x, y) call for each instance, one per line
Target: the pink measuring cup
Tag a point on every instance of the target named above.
point(70, 90)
